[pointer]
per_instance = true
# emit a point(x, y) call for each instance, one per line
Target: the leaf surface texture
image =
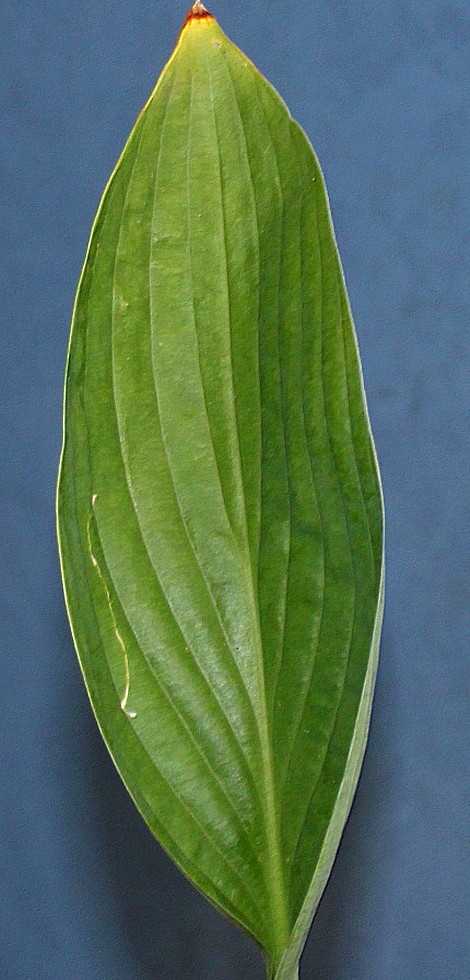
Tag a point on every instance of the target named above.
point(220, 517)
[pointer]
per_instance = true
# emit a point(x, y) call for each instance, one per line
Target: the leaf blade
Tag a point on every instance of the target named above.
point(217, 492)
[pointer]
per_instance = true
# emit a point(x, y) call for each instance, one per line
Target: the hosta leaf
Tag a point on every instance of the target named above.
point(220, 515)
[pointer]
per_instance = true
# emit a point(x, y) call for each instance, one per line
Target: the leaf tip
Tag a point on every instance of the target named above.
point(197, 15)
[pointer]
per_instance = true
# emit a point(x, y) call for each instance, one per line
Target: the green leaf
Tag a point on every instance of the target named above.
point(219, 508)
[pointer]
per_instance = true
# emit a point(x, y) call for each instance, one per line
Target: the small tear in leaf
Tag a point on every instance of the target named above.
point(125, 697)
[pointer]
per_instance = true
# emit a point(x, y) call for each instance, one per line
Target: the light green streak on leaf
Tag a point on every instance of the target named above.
point(219, 507)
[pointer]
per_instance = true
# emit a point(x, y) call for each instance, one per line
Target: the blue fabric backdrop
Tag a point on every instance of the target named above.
point(382, 91)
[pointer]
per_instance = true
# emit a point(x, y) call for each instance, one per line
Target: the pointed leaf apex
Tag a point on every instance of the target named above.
point(197, 13)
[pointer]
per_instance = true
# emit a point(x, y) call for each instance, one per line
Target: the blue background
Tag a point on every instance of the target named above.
point(381, 90)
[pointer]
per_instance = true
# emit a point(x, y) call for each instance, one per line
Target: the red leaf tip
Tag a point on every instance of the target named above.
point(198, 12)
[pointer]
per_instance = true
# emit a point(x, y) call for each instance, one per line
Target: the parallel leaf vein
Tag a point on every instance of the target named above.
point(129, 486)
point(346, 516)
